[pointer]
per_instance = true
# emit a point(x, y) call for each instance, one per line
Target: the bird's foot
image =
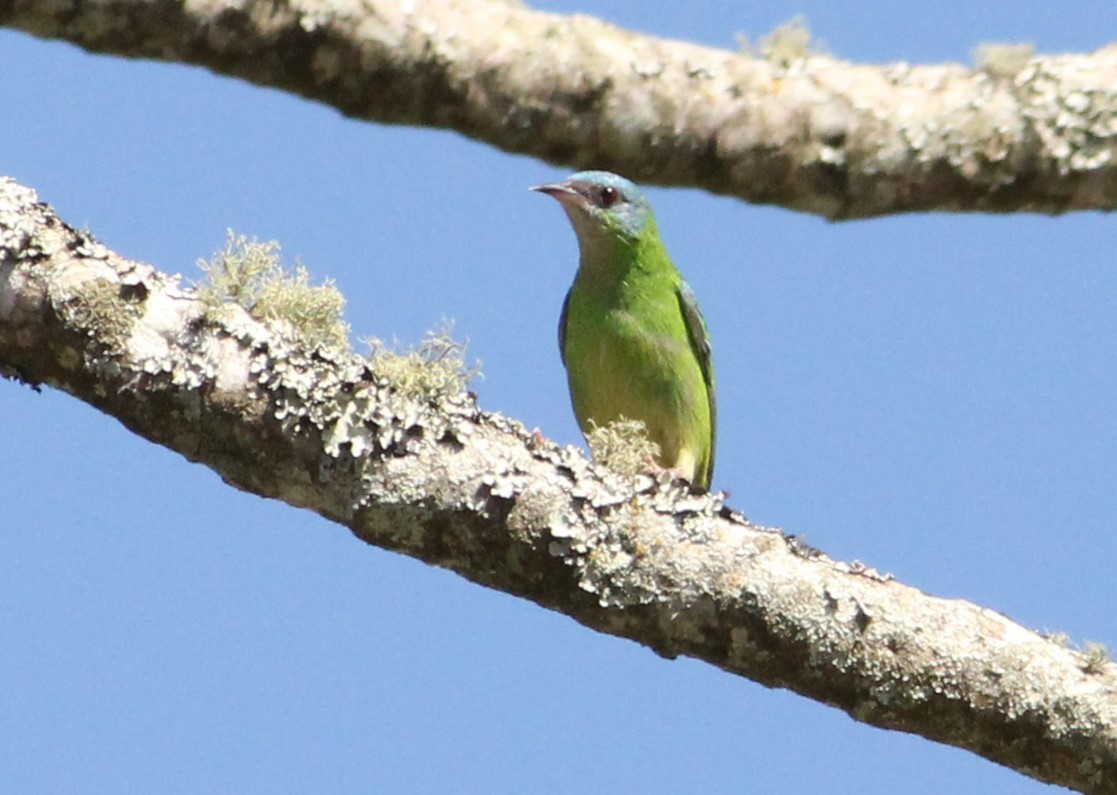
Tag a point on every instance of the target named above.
point(665, 475)
point(668, 476)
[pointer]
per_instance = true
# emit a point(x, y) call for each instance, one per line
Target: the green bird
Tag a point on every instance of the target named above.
point(632, 339)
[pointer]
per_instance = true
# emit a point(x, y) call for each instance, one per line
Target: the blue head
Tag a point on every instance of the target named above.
point(603, 207)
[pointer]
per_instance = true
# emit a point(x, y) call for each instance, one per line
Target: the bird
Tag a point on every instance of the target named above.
point(631, 336)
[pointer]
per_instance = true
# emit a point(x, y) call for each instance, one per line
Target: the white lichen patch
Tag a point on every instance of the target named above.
point(1074, 118)
point(363, 419)
point(18, 229)
point(351, 430)
point(630, 533)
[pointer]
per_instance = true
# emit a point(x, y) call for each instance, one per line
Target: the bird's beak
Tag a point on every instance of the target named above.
point(561, 191)
point(551, 190)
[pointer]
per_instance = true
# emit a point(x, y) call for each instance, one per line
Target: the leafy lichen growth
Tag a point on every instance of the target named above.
point(435, 368)
point(250, 274)
point(1058, 638)
point(105, 310)
point(1003, 60)
point(789, 42)
point(1096, 656)
point(623, 446)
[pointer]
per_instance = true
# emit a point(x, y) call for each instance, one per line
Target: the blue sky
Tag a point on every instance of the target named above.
point(932, 395)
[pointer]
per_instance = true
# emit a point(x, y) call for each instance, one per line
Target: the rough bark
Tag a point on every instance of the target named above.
point(441, 480)
point(811, 133)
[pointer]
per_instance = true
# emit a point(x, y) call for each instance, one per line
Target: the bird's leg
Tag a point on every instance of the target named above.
point(664, 474)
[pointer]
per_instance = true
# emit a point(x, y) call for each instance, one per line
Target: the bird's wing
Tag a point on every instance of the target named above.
point(562, 326)
point(700, 342)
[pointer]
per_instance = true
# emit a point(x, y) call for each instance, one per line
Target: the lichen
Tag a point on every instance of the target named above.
point(1058, 638)
point(789, 42)
point(250, 274)
point(622, 446)
point(103, 311)
point(1071, 114)
point(434, 369)
point(1003, 60)
point(1095, 657)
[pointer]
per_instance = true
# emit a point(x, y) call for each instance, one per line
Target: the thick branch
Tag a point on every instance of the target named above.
point(455, 486)
point(815, 134)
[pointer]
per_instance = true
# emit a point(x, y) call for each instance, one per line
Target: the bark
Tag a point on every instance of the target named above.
point(437, 478)
point(811, 133)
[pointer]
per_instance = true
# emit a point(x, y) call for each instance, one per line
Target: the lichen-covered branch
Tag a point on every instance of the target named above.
point(433, 476)
point(808, 132)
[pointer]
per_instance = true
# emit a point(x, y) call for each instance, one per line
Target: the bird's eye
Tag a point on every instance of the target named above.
point(609, 196)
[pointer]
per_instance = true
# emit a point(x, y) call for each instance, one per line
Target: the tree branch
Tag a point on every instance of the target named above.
point(472, 491)
point(810, 133)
